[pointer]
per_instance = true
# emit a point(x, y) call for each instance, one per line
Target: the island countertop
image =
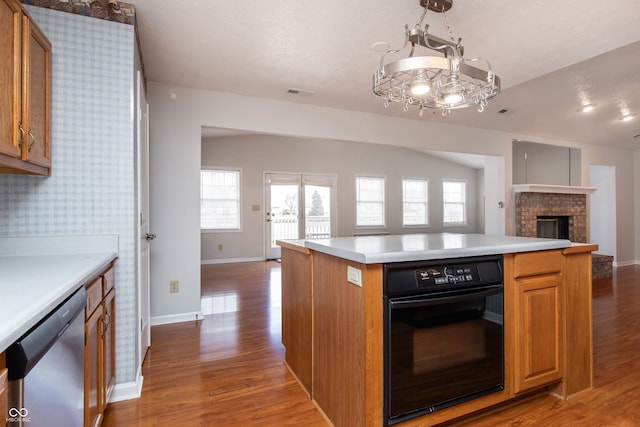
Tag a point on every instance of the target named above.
point(417, 247)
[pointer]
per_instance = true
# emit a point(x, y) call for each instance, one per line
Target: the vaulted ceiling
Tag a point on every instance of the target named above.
point(550, 56)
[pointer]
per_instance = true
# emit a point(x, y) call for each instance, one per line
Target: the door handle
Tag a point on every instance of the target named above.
point(150, 236)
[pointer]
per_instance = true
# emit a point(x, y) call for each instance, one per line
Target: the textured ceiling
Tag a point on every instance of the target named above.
point(549, 55)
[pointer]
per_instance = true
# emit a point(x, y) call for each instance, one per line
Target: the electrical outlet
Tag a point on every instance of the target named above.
point(354, 276)
point(174, 286)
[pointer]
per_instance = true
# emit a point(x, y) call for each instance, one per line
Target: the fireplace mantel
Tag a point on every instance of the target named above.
point(557, 189)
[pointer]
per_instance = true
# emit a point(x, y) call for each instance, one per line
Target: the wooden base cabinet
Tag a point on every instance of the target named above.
point(25, 101)
point(534, 281)
point(297, 311)
point(4, 398)
point(99, 350)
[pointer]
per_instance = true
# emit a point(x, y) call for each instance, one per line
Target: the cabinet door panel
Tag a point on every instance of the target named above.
point(538, 341)
point(92, 368)
point(36, 99)
point(109, 337)
point(4, 405)
point(10, 76)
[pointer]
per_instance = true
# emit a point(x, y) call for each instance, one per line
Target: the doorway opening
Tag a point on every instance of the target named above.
point(602, 208)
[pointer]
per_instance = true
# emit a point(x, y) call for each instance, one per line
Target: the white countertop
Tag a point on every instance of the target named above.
point(31, 285)
point(417, 247)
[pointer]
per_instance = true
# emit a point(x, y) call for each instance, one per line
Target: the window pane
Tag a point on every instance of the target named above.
point(219, 199)
point(453, 196)
point(318, 211)
point(415, 202)
point(369, 201)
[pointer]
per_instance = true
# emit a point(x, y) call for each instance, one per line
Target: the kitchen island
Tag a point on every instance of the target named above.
point(333, 319)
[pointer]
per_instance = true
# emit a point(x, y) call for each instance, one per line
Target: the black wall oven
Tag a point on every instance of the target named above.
point(444, 338)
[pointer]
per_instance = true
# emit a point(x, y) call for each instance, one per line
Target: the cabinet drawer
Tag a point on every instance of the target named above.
point(94, 296)
point(109, 280)
point(537, 263)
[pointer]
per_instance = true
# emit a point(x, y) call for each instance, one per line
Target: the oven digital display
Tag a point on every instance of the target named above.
point(449, 275)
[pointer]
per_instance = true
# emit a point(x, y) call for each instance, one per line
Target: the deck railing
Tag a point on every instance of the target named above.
point(286, 227)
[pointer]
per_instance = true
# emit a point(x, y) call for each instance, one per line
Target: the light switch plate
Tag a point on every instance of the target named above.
point(354, 276)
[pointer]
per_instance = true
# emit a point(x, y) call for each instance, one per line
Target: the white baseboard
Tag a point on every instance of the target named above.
point(177, 318)
point(626, 263)
point(127, 391)
point(229, 260)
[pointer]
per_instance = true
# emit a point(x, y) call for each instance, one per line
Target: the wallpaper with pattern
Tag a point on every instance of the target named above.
point(92, 187)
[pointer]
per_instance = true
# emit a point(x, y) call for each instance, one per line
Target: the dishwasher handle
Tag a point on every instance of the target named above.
point(23, 354)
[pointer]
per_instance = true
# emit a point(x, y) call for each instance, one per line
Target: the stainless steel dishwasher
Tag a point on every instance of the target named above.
point(46, 369)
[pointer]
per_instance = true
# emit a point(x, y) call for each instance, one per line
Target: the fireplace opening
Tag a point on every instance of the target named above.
point(553, 227)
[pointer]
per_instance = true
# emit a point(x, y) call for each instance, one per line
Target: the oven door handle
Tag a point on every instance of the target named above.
point(428, 301)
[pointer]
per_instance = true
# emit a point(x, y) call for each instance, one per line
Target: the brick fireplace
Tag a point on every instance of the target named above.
point(536, 203)
point(531, 206)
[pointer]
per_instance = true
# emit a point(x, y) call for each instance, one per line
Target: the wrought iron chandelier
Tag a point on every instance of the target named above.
point(443, 82)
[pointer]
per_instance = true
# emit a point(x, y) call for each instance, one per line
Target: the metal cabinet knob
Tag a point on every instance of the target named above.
point(150, 236)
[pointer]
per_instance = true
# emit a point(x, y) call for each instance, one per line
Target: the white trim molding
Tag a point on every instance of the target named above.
point(127, 391)
point(547, 188)
point(177, 318)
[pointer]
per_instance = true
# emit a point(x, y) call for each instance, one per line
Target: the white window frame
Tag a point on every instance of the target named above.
point(357, 201)
point(238, 200)
point(446, 223)
point(424, 202)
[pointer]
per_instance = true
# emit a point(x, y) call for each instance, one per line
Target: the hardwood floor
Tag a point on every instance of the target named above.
point(227, 369)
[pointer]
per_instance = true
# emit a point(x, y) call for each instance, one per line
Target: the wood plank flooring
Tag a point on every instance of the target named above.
point(227, 369)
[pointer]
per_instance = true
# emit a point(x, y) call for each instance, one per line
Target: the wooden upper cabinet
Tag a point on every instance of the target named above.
point(36, 89)
point(25, 93)
point(10, 77)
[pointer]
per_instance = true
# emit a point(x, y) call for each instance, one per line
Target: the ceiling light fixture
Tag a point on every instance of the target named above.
point(587, 108)
point(442, 82)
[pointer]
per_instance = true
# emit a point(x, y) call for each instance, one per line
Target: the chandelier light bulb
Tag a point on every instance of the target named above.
point(420, 88)
point(453, 98)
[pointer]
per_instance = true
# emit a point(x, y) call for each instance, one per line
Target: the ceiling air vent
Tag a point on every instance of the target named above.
point(300, 92)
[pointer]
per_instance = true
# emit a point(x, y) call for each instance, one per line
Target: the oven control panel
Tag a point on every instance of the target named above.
point(414, 278)
point(449, 275)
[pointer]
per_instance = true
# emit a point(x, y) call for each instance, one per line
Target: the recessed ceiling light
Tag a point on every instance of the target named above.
point(627, 118)
point(587, 108)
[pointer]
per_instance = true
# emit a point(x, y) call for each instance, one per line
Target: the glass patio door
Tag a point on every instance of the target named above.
point(297, 207)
